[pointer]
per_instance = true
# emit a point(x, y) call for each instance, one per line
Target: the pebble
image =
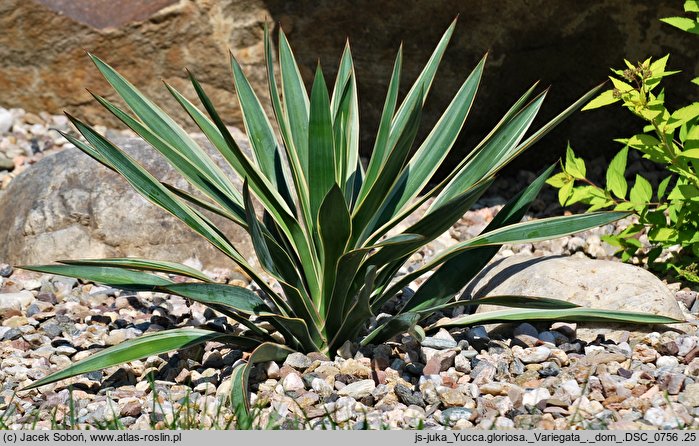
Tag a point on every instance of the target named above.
point(532, 354)
point(359, 389)
point(532, 397)
point(478, 337)
point(438, 344)
point(298, 361)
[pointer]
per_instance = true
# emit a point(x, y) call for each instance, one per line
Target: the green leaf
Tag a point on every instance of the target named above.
point(335, 228)
point(568, 315)
point(691, 6)
point(507, 301)
point(112, 276)
point(431, 152)
point(142, 264)
point(396, 325)
point(605, 98)
point(367, 207)
point(662, 187)
point(565, 192)
point(641, 192)
point(162, 125)
point(494, 153)
point(559, 180)
point(266, 150)
point(453, 275)
point(321, 151)
point(296, 104)
point(528, 232)
point(239, 378)
point(142, 347)
point(691, 154)
point(682, 116)
point(380, 151)
point(574, 166)
point(231, 296)
point(358, 314)
point(616, 182)
point(683, 23)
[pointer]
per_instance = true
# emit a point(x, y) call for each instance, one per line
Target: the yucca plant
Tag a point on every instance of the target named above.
point(323, 235)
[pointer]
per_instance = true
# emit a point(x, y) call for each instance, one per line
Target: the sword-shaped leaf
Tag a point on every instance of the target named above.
point(142, 347)
point(569, 315)
point(239, 387)
point(321, 150)
point(144, 265)
point(112, 276)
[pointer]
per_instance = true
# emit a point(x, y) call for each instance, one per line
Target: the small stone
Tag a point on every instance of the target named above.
point(690, 396)
point(478, 337)
point(548, 337)
point(5, 270)
point(566, 329)
point(407, 396)
point(454, 414)
point(298, 361)
point(321, 387)
point(655, 416)
point(667, 361)
point(685, 344)
point(525, 329)
point(358, 389)
point(292, 383)
point(15, 322)
point(415, 368)
point(439, 363)
point(462, 363)
point(532, 397)
point(533, 354)
point(15, 301)
point(672, 382)
point(132, 408)
point(271, 370)
point(437, 343)
point(572, 388)
point(345, 351)
point(451, 397)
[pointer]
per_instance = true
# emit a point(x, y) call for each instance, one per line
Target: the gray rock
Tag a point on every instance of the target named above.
point(525, 329)
point(690, 396)
point(533, 354)
point(358, 389)
point(15, 301)
point(68, 206)
point(439, 344)
point(6, 120)
point(5, 270)
point(407, 396)
point(6, 163)
point(298, 361)
point(589, 283)
point(453, 414)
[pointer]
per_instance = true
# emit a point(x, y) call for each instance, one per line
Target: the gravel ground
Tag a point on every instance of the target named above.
point(540, 377)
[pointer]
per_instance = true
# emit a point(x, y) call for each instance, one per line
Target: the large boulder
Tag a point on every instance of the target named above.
point(589, 283)
point(68, 206)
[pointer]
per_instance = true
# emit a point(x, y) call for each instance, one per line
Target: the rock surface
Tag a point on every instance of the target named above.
point(589, 283)
point(43, 64)
point(68, 206)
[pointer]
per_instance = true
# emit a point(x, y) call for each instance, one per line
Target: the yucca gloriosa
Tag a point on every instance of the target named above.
point(323, 234)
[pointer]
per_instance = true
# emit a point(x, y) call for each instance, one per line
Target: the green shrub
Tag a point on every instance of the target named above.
point(323, 235)
point(670, 213)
